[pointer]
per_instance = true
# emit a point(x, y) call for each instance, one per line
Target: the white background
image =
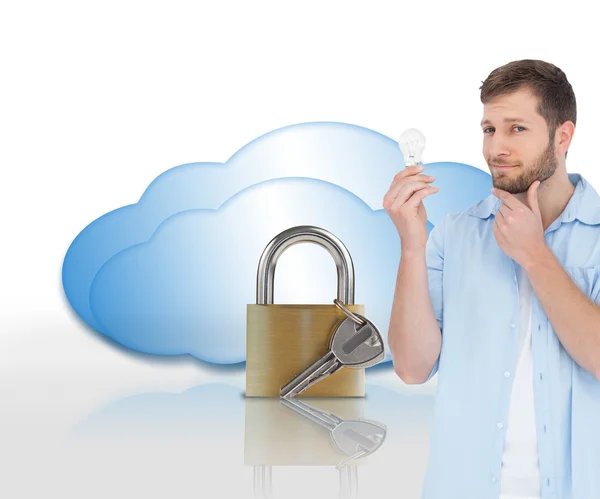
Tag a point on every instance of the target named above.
point(99, 98)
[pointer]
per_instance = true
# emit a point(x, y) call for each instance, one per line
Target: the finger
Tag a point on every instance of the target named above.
point(421, 176)
point(409, 170)
point(406, 190)
point(497, 226)
point(403, 190)
point(499, 219)
point(500, 222)
point(418, 196)
point(532, 197)
point(395, 189)
point(407, 176)
point(496, 229)
point(507, 198)
point(504, 211)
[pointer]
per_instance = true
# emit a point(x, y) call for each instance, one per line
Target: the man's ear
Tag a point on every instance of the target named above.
point(564, 135)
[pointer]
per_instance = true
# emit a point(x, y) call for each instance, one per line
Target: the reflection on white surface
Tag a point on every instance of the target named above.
point(264, 444)
point(283, 432)
point(61, 437)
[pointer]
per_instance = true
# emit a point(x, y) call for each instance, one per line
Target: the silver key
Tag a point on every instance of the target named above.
point(356, 438)
point(352, 345)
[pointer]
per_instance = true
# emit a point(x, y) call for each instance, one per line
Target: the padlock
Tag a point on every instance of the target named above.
point(283, 340)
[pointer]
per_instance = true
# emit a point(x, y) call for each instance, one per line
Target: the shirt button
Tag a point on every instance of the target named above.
point(506, 374)
point(494, 479)
point(499, 426)
point(512, 325)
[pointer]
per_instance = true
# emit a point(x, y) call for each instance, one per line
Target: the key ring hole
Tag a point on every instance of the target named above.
point(348, 313)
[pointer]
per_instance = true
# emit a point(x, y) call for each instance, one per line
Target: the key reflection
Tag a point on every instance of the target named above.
point(356, 438)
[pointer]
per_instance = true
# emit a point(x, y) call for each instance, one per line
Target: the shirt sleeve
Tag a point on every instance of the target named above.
point(435, 272)
point(587, 279)
point(595, 292)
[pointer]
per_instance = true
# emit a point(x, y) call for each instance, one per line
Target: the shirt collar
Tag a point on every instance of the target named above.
point(584, 204)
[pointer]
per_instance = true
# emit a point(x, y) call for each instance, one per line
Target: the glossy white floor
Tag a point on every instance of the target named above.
point(119, 424)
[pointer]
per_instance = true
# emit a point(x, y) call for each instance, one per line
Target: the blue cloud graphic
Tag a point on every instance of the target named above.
point(186, 289)
point(355, 158)
point(173, 273)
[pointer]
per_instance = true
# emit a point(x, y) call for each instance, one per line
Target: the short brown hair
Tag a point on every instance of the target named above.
point(546, 81)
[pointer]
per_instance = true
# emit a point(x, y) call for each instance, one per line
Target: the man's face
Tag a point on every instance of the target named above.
point(516, 136)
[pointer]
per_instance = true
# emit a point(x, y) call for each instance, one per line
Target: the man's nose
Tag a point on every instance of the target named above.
point(498, 147)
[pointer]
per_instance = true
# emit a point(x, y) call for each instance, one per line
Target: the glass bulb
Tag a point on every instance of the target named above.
point(411, 143)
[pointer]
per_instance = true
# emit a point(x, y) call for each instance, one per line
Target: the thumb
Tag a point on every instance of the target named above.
point(532, 197)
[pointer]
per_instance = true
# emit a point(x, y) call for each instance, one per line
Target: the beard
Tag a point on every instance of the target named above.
point(542, 168)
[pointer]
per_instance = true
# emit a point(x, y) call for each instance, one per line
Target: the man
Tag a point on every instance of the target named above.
point(502, 302)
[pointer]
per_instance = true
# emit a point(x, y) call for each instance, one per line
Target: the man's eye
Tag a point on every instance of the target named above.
point(485, 130)
point(521, 127)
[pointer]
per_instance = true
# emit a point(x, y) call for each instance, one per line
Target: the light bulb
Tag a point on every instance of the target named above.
point(411, 143)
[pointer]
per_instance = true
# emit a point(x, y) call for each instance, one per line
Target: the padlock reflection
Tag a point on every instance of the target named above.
point(263, 483)
point(275, 435)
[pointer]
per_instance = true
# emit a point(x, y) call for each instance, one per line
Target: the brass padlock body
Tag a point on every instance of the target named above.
point(283, 340)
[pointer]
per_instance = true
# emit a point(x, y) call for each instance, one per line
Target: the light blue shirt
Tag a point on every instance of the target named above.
point(474, 292)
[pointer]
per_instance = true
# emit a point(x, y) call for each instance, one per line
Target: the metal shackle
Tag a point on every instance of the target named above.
point(300, 234)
